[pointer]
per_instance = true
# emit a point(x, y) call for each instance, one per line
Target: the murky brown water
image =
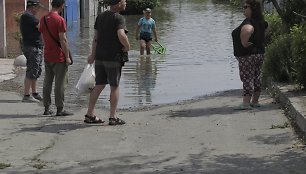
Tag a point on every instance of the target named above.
point(198, 61)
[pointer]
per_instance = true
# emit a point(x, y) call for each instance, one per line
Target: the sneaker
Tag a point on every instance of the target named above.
point(29, 99)
point(115, 121)
point(48, 112)
point(37, 96)
point(63, 113)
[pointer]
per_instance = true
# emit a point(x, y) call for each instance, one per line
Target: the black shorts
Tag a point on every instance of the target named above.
point(34, 56)
point(147, 37)
point(108, 72)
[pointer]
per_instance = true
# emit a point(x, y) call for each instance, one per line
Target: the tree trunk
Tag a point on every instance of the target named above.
point(277, 7)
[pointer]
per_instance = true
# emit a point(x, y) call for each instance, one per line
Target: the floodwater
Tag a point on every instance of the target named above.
point(199, 58)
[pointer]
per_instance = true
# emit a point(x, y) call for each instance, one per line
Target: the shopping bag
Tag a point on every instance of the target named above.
point(87, 80)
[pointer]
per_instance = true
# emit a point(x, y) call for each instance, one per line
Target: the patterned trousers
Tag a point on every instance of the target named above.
point(250, 73)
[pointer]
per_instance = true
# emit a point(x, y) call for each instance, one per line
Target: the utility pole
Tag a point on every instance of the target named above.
point(3, 47)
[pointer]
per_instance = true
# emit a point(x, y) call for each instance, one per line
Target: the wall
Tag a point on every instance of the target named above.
point(14, 7)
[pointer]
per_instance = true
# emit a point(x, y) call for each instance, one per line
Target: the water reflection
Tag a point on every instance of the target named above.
point(198, 61)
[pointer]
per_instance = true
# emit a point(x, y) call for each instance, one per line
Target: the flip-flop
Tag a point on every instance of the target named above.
point(243, 107)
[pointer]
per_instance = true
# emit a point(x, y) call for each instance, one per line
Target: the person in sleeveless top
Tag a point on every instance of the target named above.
point(248, 43)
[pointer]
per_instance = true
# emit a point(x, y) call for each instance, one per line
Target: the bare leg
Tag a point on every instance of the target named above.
point(94, 95)
point(246, 100)
point(148, 48)
point(33, 85)
point(114, 98)
point(142, 44)
point(27, 86)
point(255, 97)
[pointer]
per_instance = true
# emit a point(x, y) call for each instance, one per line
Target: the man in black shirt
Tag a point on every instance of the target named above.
point(109, 45)
point(32, 47)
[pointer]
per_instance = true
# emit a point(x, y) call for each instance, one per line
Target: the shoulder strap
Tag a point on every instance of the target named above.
point(58, 43)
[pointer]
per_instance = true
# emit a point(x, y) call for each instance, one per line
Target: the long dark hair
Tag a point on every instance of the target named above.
point(256, 10)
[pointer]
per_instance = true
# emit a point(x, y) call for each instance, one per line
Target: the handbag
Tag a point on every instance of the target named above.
point(58, 43)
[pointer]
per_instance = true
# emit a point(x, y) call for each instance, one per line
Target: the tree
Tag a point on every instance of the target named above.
point(291, 11)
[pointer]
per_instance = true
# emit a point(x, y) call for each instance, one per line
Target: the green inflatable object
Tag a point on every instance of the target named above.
point(159, 48)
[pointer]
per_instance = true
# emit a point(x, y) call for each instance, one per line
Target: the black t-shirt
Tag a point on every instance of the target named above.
point(257, 38)
point(29, 31)
point(108, 44)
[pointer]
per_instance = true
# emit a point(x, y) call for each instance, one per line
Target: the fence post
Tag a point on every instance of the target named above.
point(3, 47)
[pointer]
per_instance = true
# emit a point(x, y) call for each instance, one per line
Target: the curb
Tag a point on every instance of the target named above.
point(7, 69)
point(293, 105)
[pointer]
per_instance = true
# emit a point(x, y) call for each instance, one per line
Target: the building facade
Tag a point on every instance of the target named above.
point(11, 9)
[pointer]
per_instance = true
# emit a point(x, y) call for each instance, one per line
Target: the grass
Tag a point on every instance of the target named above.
point(4, 165)
point(39, 165)
point(280, 126)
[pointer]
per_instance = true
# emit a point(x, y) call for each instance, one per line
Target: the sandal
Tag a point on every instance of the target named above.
point(243, 107)
point(116, 121)
point(92, 120)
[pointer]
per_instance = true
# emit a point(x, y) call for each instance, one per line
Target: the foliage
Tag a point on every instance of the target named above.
point(236, 2)
point(291, 6)
point(275, 26)
point(298, 45)
point(288, 10)
point(4, 165)
point(17, 35)
point(277, 62)
point(233, 2)
point(286, 57)
point(135, 6)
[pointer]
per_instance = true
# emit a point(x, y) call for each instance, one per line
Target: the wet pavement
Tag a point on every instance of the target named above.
point(198, 60)
point(200, 136)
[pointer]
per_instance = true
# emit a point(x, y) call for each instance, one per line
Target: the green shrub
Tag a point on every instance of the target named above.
point(137, 6)
point(233, 2)
point(275, 26)
point(298, 48)
point(278, 63)
point(291, 6)
point(134, 6)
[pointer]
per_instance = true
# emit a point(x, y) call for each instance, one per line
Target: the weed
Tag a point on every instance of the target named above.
point(280, 126)
point(3, 165)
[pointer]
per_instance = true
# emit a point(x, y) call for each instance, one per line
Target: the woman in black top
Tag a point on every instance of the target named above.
point(248, 42)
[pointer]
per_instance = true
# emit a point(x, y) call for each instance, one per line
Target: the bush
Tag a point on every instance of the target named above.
point(291, 6)
point(275, 26)
point(278, 63)
point(134, 6)
point(298, 48)
point(233, 2)
point(137, 6)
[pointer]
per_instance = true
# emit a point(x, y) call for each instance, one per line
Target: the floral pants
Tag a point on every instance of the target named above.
point(250, 73)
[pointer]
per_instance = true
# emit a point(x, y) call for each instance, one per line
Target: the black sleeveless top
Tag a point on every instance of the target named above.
point(257, 38)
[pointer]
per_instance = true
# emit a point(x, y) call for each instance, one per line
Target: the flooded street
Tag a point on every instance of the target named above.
point(199, 58)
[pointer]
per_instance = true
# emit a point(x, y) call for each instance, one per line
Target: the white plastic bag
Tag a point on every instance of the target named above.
point(87, 80)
